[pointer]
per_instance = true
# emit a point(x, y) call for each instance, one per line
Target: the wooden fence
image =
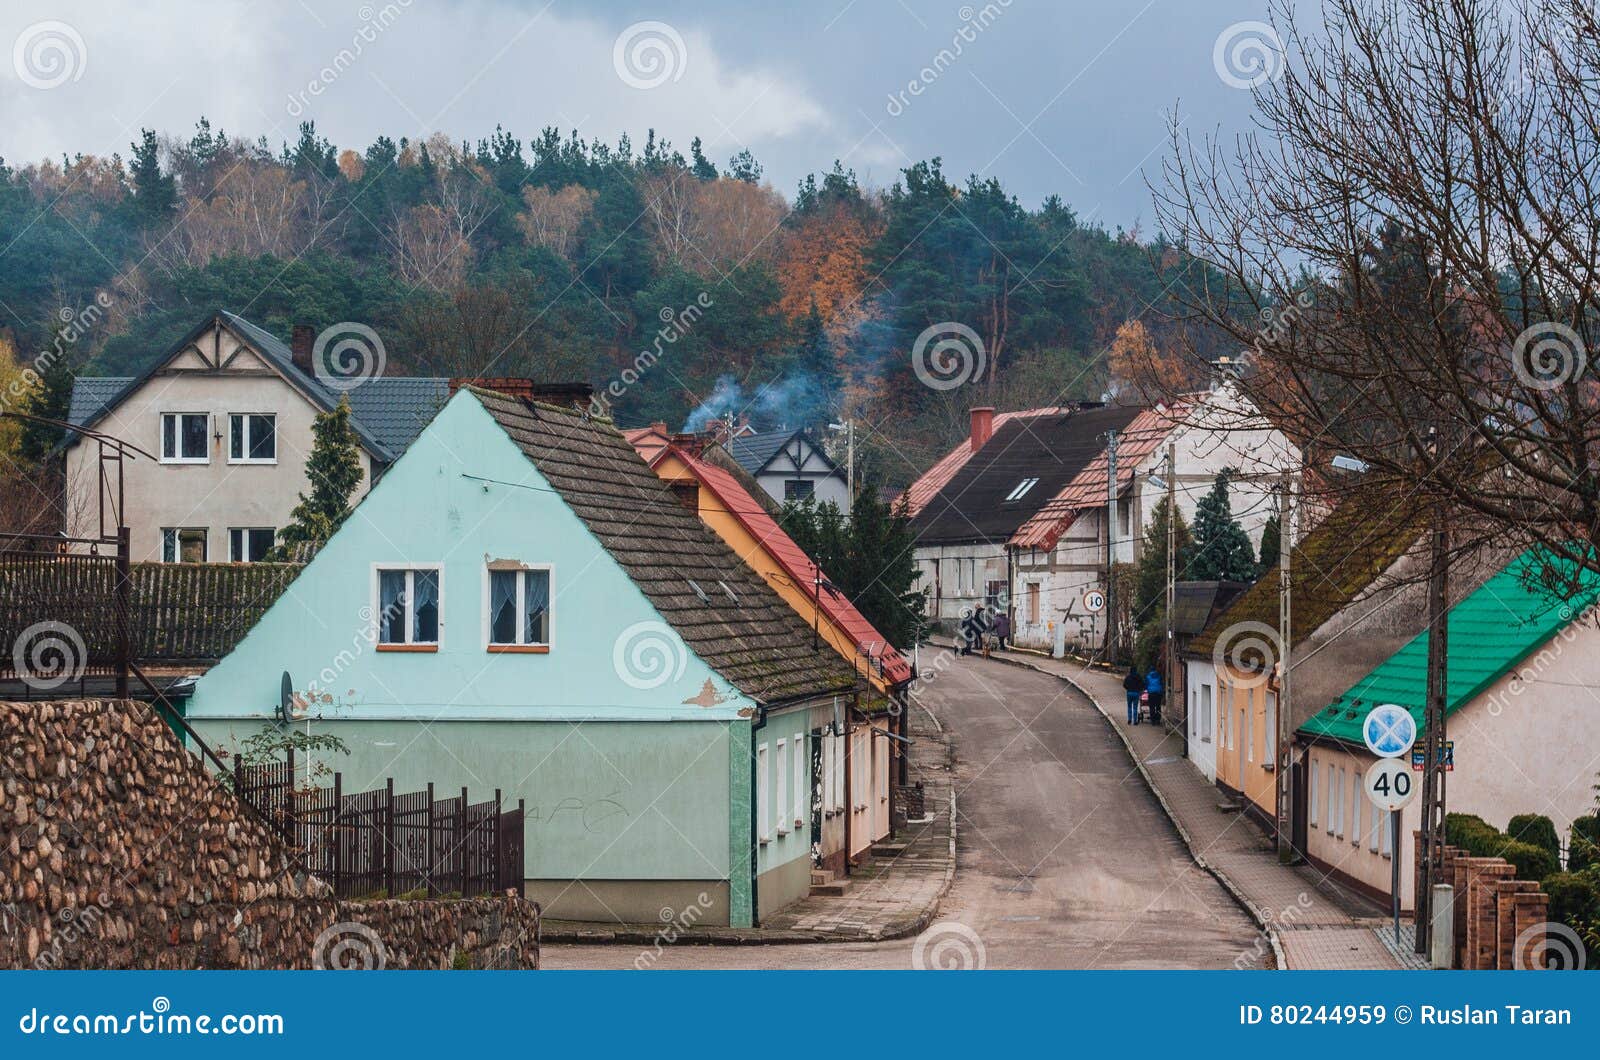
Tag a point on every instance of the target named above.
point(383, 842)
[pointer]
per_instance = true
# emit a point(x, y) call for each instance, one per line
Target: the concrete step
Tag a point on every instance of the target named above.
point(889, 849)
point(831, 889)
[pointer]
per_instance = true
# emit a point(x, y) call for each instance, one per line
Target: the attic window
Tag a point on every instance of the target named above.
point(1022, 489)
point(701, 593)
point(731, 594)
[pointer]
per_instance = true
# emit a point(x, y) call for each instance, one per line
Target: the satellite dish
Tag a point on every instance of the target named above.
point(290, 705)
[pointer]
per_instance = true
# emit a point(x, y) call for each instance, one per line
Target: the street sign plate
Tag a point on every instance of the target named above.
point(1390, 784)
point(1389, 730)
point(1094, 601)
point(1448, 753)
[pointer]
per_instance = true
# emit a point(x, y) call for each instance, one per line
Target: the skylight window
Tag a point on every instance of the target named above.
point(1022, 489)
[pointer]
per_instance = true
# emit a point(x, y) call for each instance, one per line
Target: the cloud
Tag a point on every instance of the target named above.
point(398, 67)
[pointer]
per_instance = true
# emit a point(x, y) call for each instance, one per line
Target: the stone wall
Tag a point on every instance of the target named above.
point(118, 850)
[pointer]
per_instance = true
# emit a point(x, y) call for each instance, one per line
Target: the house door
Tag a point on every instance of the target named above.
point(1298, 790)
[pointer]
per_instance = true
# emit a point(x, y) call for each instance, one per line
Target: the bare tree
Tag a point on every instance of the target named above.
point(1407, 250)
point(552, 218)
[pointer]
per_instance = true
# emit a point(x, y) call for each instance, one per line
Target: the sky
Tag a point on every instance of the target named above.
point(1069, 97)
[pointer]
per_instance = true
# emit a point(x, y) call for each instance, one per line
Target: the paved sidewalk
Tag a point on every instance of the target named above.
point(1313, 922)
point(890, 897)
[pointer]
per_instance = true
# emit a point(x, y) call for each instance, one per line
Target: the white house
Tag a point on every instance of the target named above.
point(791, 467)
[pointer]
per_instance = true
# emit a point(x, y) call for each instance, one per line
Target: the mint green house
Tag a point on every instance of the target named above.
point(520, 604)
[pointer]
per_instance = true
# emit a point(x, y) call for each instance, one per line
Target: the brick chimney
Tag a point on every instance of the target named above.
point(693, 444)
point(982, 426)
point(564, 395)
point(302, 339)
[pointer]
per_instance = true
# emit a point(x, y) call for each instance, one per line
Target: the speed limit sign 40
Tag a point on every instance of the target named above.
point(1390, 784)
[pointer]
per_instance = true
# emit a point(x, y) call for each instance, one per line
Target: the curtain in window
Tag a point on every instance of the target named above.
point(425, 607)
point(194, 437)
point(392, 605)
point(263, 438)
point(536, 629)
point(502, 607)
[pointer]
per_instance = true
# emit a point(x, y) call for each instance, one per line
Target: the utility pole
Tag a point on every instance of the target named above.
point(1284, 759)
point(850, 458)
point(1172, 569)
point(1111, 542)
point(1433, 735)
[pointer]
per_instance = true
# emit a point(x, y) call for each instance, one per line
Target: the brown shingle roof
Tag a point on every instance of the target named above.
point(1331, 566)
point(752, 638)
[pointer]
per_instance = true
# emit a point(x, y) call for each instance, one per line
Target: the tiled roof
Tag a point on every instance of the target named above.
point(753, 451)
point(982, 502)
point(797, 566)
point(394, 409)
point(733, 620)
point(1490, 632)
point(92, 395)
point(1088, 488)
point(919, 493)
point(1193, 603)
point(1333, 566)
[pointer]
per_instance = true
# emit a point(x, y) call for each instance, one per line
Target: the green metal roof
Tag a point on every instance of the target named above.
point(1490, 632)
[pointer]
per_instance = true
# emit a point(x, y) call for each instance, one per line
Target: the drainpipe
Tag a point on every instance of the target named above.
point(755, 825)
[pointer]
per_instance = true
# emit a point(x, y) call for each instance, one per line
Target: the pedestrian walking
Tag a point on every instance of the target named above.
point(1002, 630)
point(1133, 684)
point(1156, 692)
point(972, 630)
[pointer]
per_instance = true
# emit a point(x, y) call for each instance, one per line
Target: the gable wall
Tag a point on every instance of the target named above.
point(217, 495)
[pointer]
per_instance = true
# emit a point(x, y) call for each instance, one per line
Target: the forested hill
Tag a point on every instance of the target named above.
point(559, 258)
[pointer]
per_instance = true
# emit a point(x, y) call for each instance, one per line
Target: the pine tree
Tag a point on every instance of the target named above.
point(1150, 581)
point(334, 468)
point(814, 370)
point(1221, 547)
point(704, 168)
point(50, 398)
point(1271, 543)
point(868, 556)
point(155, 193)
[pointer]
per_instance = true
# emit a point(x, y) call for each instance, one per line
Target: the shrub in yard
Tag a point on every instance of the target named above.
point(1575, 902)
point(1481, 839)
point(1583, 850)
point(1537, 830)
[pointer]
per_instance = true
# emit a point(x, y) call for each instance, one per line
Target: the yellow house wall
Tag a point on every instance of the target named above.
point(1245, 749)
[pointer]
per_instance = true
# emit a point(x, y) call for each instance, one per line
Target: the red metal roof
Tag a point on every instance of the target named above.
point(937, 477)
point(1088, 488)
point(795, 564)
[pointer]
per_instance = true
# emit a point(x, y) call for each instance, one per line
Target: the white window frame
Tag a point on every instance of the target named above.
point(377, 607)
point(1021, 489)
point(1356, 802)
point(763, 797)
point(1269, 750)
point(1336, 803)
point(781, 772)
point(177, 543)
point(244, 437)
point(802, 777)
point(839, 760)
point(1386, 845)
point(177, 439)
point(233, 553)
point(1250, 736)
point(1376, 827)
point(1206, 700)
point(1312, 802)
point(547, 644)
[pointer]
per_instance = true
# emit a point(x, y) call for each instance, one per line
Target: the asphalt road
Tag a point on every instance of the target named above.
point(1065, 860)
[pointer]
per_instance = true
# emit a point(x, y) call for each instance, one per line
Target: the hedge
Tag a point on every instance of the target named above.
point(1481, 839)
point(1583, 850)
point(1537, 830)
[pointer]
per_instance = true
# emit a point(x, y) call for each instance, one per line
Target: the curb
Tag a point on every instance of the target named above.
point(587, 933)
point(1262, 921)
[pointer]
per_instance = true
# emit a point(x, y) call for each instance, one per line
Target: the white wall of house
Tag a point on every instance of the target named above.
point(1200, 681)
point(826, 482)
point(956, 578)
point(214, 494)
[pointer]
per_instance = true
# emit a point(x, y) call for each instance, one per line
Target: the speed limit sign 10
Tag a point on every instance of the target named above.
point(1390, 784)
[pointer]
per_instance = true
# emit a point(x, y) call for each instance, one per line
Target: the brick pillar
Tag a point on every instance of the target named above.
point(1507, 893)
point(1483, 876)
point(1531, 910)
